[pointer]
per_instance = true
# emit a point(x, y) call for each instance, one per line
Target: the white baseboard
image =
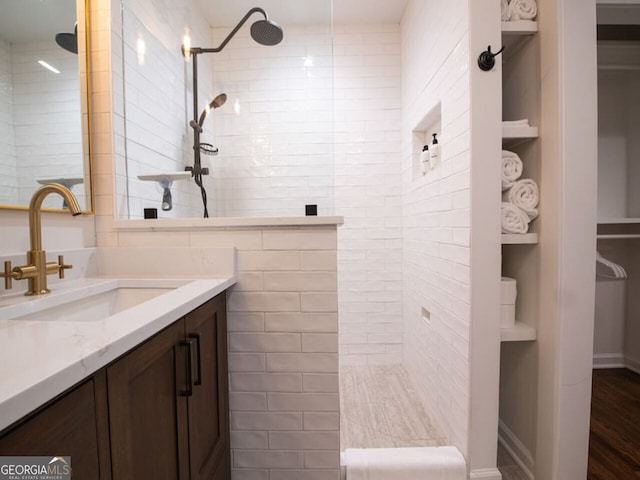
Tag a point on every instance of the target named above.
point(512, 444)
point(486, 474)
point(609, 360)
point(633, 364)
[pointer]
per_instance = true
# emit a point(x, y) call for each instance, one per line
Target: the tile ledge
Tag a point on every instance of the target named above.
point(165, 224)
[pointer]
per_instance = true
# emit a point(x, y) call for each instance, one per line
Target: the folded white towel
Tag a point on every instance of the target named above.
point(418, 463)
point(511, 169)
point(514, 220)
point(504, 10)
point(522, 10)
point(525, 195)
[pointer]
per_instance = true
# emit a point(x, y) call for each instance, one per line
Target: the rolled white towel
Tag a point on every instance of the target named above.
point(504, 10)
point(511, 169)
point(522, 10)
point(514, 220)
point(525, 195)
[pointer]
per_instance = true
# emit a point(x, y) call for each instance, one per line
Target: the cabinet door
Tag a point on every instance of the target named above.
point(66, 427)
point(147, 409)
point(209, 404)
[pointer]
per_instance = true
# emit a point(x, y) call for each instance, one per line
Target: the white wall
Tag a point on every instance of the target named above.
point(436, 212)
point(368, 191)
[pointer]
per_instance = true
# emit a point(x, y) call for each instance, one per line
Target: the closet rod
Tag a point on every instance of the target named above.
point(620, 236)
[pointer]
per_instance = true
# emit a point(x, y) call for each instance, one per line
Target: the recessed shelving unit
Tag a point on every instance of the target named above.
point(515, 34)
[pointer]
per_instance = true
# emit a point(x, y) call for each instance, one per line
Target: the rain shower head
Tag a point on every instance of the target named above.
point(265, 32)
point(69, 41)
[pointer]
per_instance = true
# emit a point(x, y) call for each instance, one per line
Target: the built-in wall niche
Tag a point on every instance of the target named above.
point(422, 134)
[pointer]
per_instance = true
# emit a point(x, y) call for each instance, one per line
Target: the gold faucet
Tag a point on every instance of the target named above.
point(38, 268)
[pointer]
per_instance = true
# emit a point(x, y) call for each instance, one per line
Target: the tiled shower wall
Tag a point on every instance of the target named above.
point(46, 116)
point(437, 213)
point(275, 133)
point(41, 125)
point(158, 92)
point(8, 174)
point(369, 191)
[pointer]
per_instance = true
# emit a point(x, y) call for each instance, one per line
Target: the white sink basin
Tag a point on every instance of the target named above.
point(85, 300)
point(97, 307)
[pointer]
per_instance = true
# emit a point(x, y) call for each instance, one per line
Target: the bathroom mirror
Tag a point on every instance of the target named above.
point(44, 135)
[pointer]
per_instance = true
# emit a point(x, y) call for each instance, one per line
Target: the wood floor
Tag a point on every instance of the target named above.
point(614, 441)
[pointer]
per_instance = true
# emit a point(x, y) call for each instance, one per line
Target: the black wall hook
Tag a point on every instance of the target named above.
point(486, 60)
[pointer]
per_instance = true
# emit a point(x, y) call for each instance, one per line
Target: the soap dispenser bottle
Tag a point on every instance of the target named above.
point(424, 159)
point(434, 153)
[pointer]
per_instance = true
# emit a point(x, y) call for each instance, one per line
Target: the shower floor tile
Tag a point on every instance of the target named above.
point(379, 407)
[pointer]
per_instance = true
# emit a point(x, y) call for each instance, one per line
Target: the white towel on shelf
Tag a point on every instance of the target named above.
point(514, 220)
point(511, 169)
point(522, 10)
point(525, 195)
point(418, 463)
point(504, 10)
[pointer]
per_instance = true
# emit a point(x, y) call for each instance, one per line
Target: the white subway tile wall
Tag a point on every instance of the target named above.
point(158, 107)
point(275, 134)
point(8, 166)
point(41, 124)
point(436, 212)
point(369, 191)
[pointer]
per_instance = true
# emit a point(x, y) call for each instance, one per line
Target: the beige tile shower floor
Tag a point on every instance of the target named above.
point(379, 407)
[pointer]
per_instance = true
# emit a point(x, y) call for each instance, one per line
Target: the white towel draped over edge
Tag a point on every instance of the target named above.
point(511, 169)
point(522, 10)
point(504, 10)
point(417, 463)
point(514, 220)
point(525, 195)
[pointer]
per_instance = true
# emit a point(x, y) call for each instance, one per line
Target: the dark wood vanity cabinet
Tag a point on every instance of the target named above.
point(168, 402)
point(160, 411)
point(73, 424)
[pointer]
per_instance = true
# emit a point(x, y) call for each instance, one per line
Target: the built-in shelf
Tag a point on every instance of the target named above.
point(513, 135)
point(613, 221)
point(515, 34)
point(165, 177)
point(520, 332)
point(519, 238)
point(65, 181)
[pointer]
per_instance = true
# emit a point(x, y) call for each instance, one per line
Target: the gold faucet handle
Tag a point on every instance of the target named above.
point(8, 275)
point(62, 267)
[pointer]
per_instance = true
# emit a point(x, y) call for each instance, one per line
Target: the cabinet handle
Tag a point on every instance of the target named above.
point(199, 364)
point(189, 391)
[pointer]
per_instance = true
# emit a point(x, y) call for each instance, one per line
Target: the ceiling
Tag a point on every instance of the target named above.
point(28, 20)
point(228, 13)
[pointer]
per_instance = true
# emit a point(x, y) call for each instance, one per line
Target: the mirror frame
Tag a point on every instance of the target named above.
point(86, 137)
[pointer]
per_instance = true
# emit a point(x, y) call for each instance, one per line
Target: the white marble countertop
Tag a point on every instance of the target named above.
point(40, 359)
